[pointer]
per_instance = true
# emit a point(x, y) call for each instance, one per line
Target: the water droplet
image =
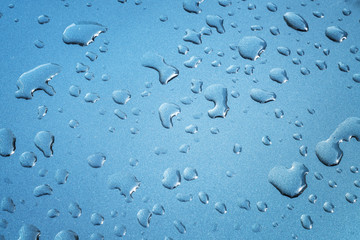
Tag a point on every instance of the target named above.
point(279, 113)
point(312, 198)
point(328, 151)
point(66, 235)
point(183, 197)
point(29, 232)
point(166, 112)
point(220, 207)
point(336, 34)
point(306, 221)
point(251, 47)
point(351, 198)
point(126, 183)
point(97, 219)
point(42, 190)
point(120, 230)
point(96, 160)
point(91, 97)
point(303, 150)
point(328, 207)
point(203, 197)
point(321, 64)
point(196, 86)
point(332, 184)
point(262, 96)
point(343, 67)
point(192, 6)
point(295, 21)
point(180, 226)
point(61, 176)
point(290, 182)
point(190, 174)
point(53, 213)
point(8, 205)
point(155, 61)
point(217, 93)
point(284, 51)
point(274, 31)
point(44, 141)
point(74, 210)
point(183, 49)
point(82, 33)
point(121, 96)
point(144, 217)
point(158, 209)
point(216, 22)
point(171, 178)
point(271, 7)
point(261, 206)
point(42, 19)
point(37, 79)
point(278, 75)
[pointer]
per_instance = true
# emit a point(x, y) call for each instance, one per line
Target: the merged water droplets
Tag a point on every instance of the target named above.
point(44, 141)
point(166, 112)
point(328, 151)
point(157, 62)
point(144, 217)
point(217, 93)
point(295, 21)
point(251, 47)
point(171, 178)
point(216, 22)
point(126, 183)
point(290, 182)
point(82, 33)
point(37, 79)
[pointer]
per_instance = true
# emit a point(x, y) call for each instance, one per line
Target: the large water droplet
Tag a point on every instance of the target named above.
point(295, 21)
point(336, 34)
point(217, 93)
point(157, 62)
point(144, 217)
point(166, 112)
point(44, 141)
point(37, 79)
point(262, 96)
point(171, 178)
point(290, 182)
point(251, 47)
point(82, 33)
point(7, 142)
point(328, 151)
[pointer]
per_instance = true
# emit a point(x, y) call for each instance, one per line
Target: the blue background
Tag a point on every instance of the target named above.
point(132, 31)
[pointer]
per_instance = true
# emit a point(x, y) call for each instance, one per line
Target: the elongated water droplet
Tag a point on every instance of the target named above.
point(295, 21)
point(82, 33)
